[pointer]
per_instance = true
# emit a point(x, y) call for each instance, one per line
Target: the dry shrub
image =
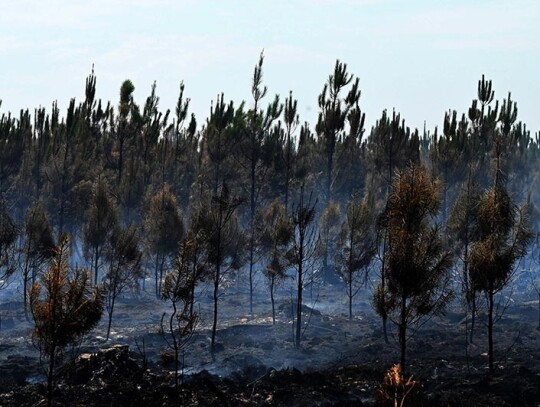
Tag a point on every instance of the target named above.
point(397, 391)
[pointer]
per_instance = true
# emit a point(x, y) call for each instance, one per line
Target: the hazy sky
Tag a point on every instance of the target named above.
point(421, 57)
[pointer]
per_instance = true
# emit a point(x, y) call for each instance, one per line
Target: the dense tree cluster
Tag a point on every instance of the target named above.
point(153, 194)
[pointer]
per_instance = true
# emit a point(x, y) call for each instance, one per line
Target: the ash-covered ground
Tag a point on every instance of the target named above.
point(341, 362)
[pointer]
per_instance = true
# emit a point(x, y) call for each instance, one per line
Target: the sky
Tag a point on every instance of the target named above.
point(419, 57)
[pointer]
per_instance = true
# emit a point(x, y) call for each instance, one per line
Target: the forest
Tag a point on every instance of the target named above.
point(419, 247)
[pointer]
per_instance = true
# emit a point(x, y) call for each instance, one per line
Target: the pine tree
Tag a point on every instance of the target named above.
point(328, 236)
point(124, 267)
point(178, 289)
point(101, 222)
point(391, 147)
point(334, 110)
point(462, 232)
point(503, 230)
point(417, 263)
point(301, 253)
point(259, 123)
point(164, 229)
point(276, 238)
point(39, 246)
point(217, 223)
point(356, 246)
point(63, 308)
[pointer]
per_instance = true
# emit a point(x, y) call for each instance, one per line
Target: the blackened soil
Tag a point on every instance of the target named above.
point(341, 362)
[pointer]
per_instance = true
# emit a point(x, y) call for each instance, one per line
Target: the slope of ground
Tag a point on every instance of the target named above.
point(341, 362)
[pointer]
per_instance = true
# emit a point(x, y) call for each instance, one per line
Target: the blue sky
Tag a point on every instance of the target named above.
point(421, 57)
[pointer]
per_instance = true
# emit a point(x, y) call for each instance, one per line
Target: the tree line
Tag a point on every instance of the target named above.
point(143, 195)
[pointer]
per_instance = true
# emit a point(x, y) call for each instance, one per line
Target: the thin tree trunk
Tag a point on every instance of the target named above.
point(176, 352)
point(25, 291)
point(350, 272)
point(176, 368)
point(191, 300)
point(473, 317)
point(539, 311)
point(490, 331)
point(192, 287)
point(214, 323)
point(26, 276)
point(299, 302)
point(217, 277)
point(156, 271)
point(251, 244)
point(385, 328)
point(216, 288)
point(120, 159)
point(350, 297)
point(329, 171)
point(272, 299)
point(403, 332)
point(287, 171)
point(383, 286)
point(111, 310)
point(325, 256)
point(50, 376)
point(467, 338)
point(160, 276)
point(253, 205)
point(96, 260)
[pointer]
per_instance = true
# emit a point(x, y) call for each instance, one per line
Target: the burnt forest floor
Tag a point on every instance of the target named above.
point(341, 362)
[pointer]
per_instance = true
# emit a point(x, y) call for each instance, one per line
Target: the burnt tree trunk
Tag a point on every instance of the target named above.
point(490, 330)
point(272, 300)
point(217, 276)
point(50, 375)
point(473, 317)
point(299, 298)
point(403, 332)
point(350, 296)
point(539, 311)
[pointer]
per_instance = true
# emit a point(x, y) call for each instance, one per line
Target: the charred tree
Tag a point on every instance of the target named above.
point(259, 123)
point(178, 289)
point(462, 230)
point(276, 238)
point(332, 116)
point(291, 119)
point(63, 308)
point(356, 246)
point(328, 236)
point(164, 229)
point(503, 239)
point(335, 109)
point(101, 221)
point(128, 124)
point(124, 271)
point(39, 247)
point(217, 222)
point(301, 253)
point(503, 228)
point(417, 263)
point(218, 141)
